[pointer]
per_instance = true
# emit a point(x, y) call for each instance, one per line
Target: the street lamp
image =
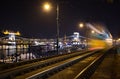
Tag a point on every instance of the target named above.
point(47, 7)
point(83, 25)
point(92, 31)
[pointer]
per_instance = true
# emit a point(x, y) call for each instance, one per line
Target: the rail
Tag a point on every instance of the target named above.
point(90, 69)
point(11, 65)
point(44, 74)
point(24, 69)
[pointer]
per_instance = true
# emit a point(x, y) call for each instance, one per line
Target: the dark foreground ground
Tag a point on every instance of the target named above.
point(110, 67)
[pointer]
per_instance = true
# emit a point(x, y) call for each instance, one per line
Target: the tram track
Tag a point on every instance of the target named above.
point(13, 72)
point(22, 72)
point(5, 66)
point(72, 71)
point(81, 70)
point(90, 69)
point(55, 67)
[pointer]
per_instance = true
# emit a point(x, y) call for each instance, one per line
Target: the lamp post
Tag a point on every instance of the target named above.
point(47, 7)
point(82, 25)
point(57, 19)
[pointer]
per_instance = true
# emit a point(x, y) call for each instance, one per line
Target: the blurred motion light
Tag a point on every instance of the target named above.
point(109, 41)
point(119, 39)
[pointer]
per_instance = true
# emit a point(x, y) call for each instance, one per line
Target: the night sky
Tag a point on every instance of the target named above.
point(28, 17)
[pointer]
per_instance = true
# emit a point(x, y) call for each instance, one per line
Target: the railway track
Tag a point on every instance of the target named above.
point(81, 70)
point(60, 66)
point(11, 65)
point(25, 71)
point(53, 68)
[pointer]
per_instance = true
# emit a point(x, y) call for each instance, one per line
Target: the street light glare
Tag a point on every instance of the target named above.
point(92, 31)
point(81, 25)
point(47, 6)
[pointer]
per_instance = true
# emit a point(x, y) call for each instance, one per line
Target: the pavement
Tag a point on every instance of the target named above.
point(109, 68)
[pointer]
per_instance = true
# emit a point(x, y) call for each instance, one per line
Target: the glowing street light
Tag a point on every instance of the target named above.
point(47, 7)
point(81, 25)
point(92, 31)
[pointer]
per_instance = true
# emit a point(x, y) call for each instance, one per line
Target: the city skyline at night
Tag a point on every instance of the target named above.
point(28, 17)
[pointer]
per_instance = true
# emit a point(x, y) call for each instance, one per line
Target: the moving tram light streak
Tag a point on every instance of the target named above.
point(100, 41)
point(97, 43)
point(97, 35)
